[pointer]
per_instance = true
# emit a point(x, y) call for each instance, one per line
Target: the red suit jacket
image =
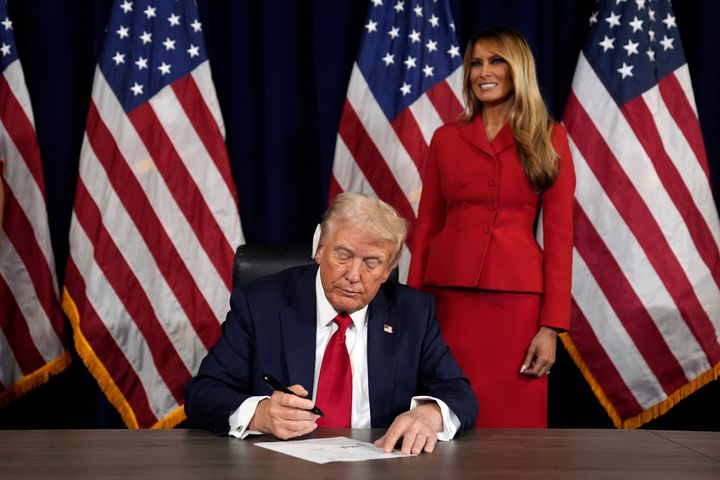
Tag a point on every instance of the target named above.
point(476, 224)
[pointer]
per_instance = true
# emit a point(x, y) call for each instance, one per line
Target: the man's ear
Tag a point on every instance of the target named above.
point(318, 253)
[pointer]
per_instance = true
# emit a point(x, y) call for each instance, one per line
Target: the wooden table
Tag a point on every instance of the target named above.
point(480, 454)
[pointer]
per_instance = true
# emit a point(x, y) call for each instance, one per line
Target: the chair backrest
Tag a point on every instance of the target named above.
point(255, 261)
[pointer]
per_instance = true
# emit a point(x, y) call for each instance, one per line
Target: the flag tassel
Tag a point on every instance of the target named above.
point(649, 414)
point(35, 379)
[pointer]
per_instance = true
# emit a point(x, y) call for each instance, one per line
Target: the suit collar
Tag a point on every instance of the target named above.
point(474, 133)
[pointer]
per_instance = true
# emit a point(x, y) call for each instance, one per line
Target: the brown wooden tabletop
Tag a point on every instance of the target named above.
point(480, 454)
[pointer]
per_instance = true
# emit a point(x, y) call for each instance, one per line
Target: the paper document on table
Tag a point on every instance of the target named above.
point(326, 450)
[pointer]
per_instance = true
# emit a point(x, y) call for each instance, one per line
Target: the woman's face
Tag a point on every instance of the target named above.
point(490, 75)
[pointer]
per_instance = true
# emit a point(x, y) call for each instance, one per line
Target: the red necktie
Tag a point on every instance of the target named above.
point(334, 392)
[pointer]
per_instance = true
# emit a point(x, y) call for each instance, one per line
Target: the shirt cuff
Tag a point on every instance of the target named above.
point(240, 418)
point(451, 423)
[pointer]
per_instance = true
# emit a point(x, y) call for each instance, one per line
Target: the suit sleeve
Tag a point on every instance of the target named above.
point(431, 215)
point(557, 217)
point(223, 380)
point(441, 377)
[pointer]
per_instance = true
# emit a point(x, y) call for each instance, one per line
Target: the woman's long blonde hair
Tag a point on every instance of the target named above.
point(530, 122)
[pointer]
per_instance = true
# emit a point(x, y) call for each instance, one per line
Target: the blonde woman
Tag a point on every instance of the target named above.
point(501, 298)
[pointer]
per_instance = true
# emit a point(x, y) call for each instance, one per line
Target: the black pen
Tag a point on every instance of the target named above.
point(275, 384)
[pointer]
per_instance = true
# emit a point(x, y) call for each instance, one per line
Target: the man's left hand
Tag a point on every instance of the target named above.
point(417, 427)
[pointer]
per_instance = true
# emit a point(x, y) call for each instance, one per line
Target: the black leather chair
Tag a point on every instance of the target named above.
point(255, 261)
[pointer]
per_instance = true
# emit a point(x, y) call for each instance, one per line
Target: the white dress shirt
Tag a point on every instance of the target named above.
point(356, 342)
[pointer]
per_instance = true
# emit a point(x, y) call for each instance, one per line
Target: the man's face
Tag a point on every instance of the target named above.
point(353, 265)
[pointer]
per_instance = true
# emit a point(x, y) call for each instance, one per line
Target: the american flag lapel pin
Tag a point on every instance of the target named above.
point(387, 328)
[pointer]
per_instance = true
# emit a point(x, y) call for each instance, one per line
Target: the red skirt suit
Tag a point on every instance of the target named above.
point(474, 248)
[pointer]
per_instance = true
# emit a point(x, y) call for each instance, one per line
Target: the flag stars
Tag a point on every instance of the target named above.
point(126, 6)
point(593, 18)
point(434, 20)
point(118, 58)
point(196, 26)
point(141, 63)
point(651, 14)
point(5, 49)
point(636, 24)
point(428, 70)
point(651, 54)
point(452, 26)
point(371, 26)
point(7, 23)
point(431, 46)
point(399, 6)
point(667, 43)
point(150, 12)
point(164, 68)
point(174, 20)
point(607, 43)
point(394, 32)
point(410, 62)
point(640, 4)
point(454, 51)
point(613, 20)
point(418, 11)
point(146, 37)
point(669, 21)
point(651, 34)
point(136, 89)
point(169, 44)
point(193, 51)
point(123, 32)
point(631, 48)
point(414, 36)
point(389, 59)
point(625, 70)
point(376, 3)
point(405, 89)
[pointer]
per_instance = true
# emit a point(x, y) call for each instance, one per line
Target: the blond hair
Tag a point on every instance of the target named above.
point(380, 220)
point(530, 121)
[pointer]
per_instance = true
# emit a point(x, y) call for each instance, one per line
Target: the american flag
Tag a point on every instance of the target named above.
point(646, 269)
point(155, 223)
point(32, 330)
point(405, 83)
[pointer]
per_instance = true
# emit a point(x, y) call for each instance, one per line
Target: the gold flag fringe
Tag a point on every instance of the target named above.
point(646, 415)
point(103, 377)
point(35, 379)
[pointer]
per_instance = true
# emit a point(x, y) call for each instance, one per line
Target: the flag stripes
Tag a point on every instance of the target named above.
point(646, 267)
point(155, 223)
point(32, 334)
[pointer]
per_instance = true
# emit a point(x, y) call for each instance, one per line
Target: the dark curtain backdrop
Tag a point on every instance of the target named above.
point(281, 68)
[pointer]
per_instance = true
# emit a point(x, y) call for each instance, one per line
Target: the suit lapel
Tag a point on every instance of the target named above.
point(474, 133)
point(299, 325)
point(382, 345)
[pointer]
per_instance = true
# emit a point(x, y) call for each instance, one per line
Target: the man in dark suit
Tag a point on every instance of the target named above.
point(398, 372)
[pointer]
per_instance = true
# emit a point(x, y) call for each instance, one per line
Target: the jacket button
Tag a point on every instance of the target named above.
point(460, 184)
point(487, 229)
point(492, 182)
point(492, 206)
point(459, 227)
point(464, 204)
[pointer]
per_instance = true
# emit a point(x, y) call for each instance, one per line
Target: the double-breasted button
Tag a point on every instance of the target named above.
point(487, 229)
point(459, 227)
point(460, 184)
point(464, 204)
point(492, 182)
point(492, 206)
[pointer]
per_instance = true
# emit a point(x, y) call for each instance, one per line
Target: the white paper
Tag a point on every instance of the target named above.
point(326, 450)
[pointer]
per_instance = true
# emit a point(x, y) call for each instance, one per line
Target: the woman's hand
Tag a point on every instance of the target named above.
point(541, 353)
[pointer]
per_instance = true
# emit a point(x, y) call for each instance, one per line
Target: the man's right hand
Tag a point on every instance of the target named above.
point(285, 415)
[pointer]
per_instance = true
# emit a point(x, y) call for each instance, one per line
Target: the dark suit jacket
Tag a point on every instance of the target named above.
point(271, 328)
point(475, 227)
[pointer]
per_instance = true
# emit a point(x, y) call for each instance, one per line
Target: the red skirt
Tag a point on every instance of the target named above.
point(488, 334)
